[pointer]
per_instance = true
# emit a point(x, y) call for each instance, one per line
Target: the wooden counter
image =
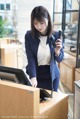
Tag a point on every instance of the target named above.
point(77, 74)
point(67, 73)
point(53, 108)
point(69, 56)
point(9, 55)
point(22, 102)
point(77, 100)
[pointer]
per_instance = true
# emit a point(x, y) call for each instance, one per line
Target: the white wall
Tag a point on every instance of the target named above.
point(24, 8)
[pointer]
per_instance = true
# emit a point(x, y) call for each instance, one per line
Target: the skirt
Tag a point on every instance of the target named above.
point(44, 77)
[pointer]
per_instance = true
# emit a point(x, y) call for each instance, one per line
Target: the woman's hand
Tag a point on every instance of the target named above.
point(58, 46)
point(34, 81)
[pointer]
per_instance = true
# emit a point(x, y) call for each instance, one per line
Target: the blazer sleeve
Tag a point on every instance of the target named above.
point(31, 68)
point(60, 57)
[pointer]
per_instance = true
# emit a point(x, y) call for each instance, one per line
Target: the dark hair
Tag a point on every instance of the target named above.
point(39, 13)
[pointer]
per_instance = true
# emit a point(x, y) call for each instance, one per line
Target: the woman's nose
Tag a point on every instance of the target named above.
point(39, 26)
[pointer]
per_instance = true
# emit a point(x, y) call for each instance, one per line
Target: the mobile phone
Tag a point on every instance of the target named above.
point(59, 34)
point(53, 41)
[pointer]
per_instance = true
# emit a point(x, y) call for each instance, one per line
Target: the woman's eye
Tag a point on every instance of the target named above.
point(42, 23)
point(35, 23)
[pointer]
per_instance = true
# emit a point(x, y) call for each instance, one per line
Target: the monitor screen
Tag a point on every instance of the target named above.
point(14, 75)
point(18, 76)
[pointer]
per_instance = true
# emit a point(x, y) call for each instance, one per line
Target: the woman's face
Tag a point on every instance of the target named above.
point(41, 26)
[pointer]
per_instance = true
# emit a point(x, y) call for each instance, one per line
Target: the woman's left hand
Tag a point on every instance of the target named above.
point(58, 46)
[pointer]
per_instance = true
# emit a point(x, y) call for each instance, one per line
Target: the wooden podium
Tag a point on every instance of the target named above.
point(18, 101)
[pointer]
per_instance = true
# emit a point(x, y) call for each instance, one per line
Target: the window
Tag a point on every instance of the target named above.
point(68, 7)
point(7, 6)
point(57, 14)
point(1, 6)
point(69, 4)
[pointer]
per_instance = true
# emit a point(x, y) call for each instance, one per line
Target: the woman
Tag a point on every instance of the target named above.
point(43, 51)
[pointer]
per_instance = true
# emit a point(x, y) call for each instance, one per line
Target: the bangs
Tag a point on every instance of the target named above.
point(39, 18)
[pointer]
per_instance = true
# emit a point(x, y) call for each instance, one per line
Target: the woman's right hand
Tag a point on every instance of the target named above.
point(34, 82)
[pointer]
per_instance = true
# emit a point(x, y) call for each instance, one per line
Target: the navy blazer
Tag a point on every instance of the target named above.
point(31, 46)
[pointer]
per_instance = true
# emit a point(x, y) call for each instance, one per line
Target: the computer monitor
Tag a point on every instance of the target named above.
point(14, 74)
point(18, 76)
